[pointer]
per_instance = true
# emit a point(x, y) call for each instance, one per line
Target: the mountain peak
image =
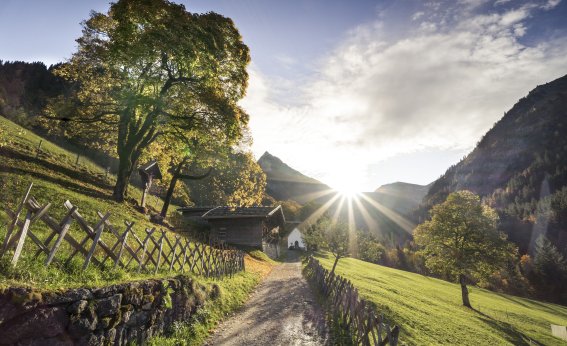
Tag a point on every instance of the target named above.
point(284, 182)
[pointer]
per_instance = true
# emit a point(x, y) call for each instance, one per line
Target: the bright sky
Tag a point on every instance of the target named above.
point(369, 92)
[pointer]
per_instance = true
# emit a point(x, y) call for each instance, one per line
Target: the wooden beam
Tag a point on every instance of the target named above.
point(15, 221)
point(98, 233)
point(66, 225)
point(22, 238)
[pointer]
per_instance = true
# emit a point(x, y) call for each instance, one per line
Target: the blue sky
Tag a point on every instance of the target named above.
point(369, 92)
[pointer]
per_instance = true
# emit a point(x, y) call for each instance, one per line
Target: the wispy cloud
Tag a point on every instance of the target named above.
point(440, 85)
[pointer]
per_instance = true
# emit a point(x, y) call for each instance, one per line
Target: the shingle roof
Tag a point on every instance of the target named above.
point(151, 168)
point(204, 209)
point(241, 212)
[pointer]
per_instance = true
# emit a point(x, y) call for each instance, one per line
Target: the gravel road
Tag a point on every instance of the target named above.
point(281, 311)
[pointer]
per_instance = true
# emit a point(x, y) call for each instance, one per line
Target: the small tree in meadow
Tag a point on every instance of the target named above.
point(462, 240)
point(337, 241)
point(329, 235)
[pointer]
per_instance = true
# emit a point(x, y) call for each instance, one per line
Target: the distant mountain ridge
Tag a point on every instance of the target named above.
point(284, 182)
point(400, 197)
point(520, 168)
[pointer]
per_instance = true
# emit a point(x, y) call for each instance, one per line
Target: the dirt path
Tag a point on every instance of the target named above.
point(282, 311)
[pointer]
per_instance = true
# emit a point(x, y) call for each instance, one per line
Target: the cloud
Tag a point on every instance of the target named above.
point(551, 4)
point(440, 86)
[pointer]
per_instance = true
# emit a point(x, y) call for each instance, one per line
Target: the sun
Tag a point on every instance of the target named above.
point(346, 187)
point(345, 179)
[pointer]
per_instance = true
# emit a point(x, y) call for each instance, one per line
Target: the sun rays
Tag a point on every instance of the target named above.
point(356, 209)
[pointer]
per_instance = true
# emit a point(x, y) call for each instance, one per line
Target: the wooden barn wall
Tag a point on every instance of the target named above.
point(238, 231)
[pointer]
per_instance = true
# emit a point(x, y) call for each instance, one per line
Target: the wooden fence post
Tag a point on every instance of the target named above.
point(38, 148)
point(14, 221)
point(145, 248)
point(98, 233)
point(160, 250)
point(22, 239)
point(184, 256)
point(172, 253)
point(66, 225)
point(124, 237)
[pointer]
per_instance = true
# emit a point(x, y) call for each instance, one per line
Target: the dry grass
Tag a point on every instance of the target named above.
point(256, 266)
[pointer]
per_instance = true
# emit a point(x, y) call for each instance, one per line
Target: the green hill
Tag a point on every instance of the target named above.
point(57, 177)
point(429, 311)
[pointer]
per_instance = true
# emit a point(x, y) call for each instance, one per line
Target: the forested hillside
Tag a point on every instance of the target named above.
point(520, 168)
point(25, 89)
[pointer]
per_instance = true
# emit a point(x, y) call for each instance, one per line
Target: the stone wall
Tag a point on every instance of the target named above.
point(118, 314)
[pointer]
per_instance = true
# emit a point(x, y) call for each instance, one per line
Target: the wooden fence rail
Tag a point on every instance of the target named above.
point(353, 314)
point(104, 242)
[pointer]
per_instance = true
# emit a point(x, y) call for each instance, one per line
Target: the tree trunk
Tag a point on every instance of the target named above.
point(122, 180)
point(174, 178)
point(335, 264)
point(464, 291)
point(169, 194)
point(127, 162)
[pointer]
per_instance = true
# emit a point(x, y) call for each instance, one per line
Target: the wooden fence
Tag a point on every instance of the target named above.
point(356, 316)
point(105, 245)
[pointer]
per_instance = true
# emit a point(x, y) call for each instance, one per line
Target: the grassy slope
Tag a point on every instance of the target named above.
point(57, 178)
point(429, 310)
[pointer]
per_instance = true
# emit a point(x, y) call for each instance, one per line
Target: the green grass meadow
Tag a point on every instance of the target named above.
point(57, 177)
point(429, 311)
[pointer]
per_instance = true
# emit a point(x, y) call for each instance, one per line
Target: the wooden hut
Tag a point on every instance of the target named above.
point(249, 226)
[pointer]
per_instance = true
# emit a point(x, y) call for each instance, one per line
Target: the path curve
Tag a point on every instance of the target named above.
point(281, 311)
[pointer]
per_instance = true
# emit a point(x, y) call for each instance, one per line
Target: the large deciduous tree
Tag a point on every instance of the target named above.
point(237, 180)
point(462, 240)
point(149, 67)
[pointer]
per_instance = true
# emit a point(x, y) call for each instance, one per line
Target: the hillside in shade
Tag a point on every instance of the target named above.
point(285, 183)
point(401, 197)
point(520, 168)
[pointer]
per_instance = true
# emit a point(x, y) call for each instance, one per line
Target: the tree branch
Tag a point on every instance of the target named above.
point(195, 177)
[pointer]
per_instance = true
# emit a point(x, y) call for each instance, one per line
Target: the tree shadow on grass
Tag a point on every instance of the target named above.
point(526, 302)
point(72, 173)
point(62, 182)
point(511, 334)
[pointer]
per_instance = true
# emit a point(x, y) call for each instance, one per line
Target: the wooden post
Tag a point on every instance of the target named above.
point(14, 222)
point(38, 148)
point(77, 161)
point(144, 192)
point(147, 186)
point(124, 237)
point(184, 256)
point(160, 250)
point(98, 233)
point(145, 248)
point(22, 239)
point(66, 225)
point(173, 252)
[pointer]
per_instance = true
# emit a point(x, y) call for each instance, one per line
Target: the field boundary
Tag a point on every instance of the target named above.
point(158, 249)
point(350, 312)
